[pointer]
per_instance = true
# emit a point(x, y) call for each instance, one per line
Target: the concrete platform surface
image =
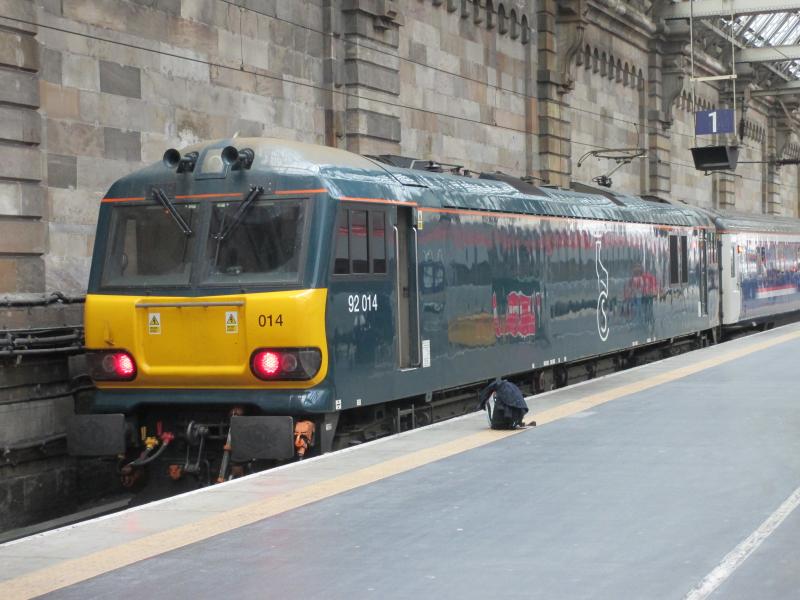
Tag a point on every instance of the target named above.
point(678, 479)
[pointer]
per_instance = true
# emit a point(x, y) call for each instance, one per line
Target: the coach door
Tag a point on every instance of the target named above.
point(407, 286)
point(702, 243)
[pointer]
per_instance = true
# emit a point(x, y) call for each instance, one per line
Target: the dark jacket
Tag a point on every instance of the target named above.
point(509, 405)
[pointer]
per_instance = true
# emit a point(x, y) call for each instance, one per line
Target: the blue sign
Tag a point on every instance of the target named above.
point(709, 122)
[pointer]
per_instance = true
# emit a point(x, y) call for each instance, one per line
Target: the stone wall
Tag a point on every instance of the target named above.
point(608, 104)
point(750, 191)
point(37, 394)
point(23, 210)
point(171, 73)
point(93, 89)
point(465, 85)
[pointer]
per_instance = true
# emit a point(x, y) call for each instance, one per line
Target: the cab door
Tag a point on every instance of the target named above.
point(406, 275)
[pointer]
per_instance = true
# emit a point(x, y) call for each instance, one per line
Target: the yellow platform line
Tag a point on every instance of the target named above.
point(79, 569)
point(576, 406)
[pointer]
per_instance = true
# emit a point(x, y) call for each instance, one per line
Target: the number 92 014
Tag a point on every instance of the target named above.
point(362, 302)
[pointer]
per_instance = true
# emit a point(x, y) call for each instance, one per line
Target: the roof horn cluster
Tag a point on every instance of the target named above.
point(235, 159)
point(185, 164)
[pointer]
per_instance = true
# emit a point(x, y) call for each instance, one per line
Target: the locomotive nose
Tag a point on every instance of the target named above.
point(211, 342)
point(192, 338)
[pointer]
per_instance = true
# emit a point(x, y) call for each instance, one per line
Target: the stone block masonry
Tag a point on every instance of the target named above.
point(23, 230)
point(93, 89)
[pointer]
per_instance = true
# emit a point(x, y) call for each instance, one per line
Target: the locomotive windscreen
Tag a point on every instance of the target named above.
point(147, 248)
point(263, 248)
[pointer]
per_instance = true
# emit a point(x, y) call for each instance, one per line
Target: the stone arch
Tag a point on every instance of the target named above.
point(490, 14)
point(514, 25)
point(477, 17)
point(502, 21)
point(603, 65)
point(587, 57)
point(626, 75)
point(465, 6)
point(618, 71)
point(595, 61)
point(640, 81)
point(525, 30)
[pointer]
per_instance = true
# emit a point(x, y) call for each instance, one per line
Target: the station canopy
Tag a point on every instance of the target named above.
point(764, 33)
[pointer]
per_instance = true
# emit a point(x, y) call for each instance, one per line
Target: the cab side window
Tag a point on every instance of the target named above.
point(360, 242)
point(342, 263)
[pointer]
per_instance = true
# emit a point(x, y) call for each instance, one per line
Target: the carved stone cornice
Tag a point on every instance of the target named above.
point(572, 21)
point(622, 20)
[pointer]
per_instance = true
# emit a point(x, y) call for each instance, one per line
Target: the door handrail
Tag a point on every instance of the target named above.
point(417, 294)
point(399, 298)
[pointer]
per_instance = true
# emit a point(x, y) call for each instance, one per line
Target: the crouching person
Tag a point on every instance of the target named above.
point(504, 403)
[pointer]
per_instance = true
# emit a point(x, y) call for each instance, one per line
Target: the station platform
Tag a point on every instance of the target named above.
point(677, 479)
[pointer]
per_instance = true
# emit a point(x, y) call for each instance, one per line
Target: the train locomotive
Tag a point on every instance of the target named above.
point(253, 301)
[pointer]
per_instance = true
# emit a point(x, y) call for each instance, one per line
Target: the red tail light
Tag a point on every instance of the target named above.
point(111, 365)
point(266, 364)
point(123, 365)
point(282, 364)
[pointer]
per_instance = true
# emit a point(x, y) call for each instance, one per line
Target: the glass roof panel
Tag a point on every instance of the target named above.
point(786, 29)
point(768, 29)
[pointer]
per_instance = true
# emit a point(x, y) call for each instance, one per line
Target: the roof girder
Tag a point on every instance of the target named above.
point(768, 54)
point(702, 9)
point(726, 37)
point(784, 89)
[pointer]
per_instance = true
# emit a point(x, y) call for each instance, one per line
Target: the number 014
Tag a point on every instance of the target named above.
point(270, 320)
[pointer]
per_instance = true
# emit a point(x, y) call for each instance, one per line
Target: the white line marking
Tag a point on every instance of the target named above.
point(734, 559)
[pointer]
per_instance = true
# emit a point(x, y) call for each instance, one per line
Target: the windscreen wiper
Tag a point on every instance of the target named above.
point(252, 196)
point(161, 197)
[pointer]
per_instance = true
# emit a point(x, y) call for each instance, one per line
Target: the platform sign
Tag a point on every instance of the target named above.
point(709, 122)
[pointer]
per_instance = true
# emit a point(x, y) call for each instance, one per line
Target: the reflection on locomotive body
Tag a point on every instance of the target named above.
point(432, 285)
point(640, 293)
point(516, 313)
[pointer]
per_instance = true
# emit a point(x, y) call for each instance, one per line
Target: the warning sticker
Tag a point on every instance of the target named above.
point(426, 354)
point(154, 323)
point(231, 321)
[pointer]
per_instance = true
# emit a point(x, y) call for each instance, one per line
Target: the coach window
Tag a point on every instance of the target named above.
point(360, 242)
point(674, 267)
point(678, 260)
point(684, 260)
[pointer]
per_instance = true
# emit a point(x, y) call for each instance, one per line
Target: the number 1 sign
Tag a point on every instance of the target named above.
point(708, 122)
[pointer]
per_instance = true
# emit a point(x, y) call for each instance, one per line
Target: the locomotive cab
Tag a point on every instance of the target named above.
point(207, 292)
